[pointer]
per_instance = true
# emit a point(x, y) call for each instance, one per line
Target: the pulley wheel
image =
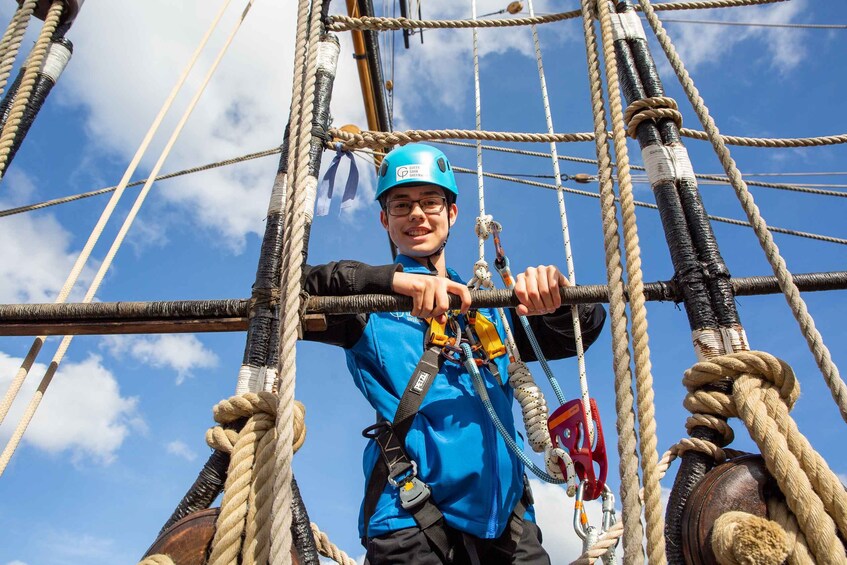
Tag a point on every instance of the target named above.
point(188, 541)
point(741, 484)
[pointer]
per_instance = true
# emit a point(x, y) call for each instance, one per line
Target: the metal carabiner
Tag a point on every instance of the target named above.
point(609, 517)
point(580, 518)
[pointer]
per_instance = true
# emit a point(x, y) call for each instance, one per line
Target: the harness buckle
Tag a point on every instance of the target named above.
point(412, 490)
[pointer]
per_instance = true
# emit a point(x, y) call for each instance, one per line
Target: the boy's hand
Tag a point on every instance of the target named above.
point(537, 288)
point(430, 295)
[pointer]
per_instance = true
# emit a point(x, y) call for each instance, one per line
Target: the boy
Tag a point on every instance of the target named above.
point(443, 486)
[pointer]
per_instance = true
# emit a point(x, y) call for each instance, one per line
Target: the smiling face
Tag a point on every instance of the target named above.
point(418, 234)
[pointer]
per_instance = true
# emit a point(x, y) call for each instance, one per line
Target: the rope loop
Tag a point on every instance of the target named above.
point(247, 406)
point(653, 108)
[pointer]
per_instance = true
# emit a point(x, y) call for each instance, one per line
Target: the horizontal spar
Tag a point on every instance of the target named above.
point(198, 316)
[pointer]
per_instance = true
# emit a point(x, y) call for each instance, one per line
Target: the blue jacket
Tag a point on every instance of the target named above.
point(476, 481)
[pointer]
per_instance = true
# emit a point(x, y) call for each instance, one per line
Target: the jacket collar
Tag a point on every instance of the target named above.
point(412, 266)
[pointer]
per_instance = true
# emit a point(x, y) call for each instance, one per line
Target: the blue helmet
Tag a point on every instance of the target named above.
point(415, 164)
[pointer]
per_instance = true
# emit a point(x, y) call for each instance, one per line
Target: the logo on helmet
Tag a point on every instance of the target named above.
point(406, 172)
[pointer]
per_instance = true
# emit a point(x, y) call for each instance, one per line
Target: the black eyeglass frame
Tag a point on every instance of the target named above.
point(419, 202)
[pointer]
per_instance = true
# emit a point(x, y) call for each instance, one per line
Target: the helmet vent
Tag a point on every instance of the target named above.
point(442, 164)
point(383, 170)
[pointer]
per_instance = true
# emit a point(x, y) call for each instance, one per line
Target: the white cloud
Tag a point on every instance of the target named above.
point(700, 45)
point(180, 449)
point(82, 412)
point(126, 60)
point(35, 257)
point(183, 353)
point(16, 563)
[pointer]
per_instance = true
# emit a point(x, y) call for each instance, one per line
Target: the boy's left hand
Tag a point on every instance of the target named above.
point(537, 288)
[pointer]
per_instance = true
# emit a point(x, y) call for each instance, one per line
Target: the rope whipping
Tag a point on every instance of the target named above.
point(798, 306)
point(56, 58)
point(299, 202)
point(80, 262)
point(637, 304)
point(25, 90)
point(118, 241)
point(12, 37)
point(624, 400)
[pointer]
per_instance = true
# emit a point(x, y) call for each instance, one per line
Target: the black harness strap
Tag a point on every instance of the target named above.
point(395, 465)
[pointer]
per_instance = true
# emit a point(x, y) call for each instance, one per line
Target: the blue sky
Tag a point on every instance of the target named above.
point(120, 434)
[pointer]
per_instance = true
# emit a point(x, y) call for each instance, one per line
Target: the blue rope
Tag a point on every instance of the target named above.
point(479, 385)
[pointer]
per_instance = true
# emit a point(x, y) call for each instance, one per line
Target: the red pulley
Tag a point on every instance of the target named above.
point(569, 429)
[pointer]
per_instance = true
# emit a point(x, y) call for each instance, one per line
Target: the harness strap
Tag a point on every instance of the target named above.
point(396, 466)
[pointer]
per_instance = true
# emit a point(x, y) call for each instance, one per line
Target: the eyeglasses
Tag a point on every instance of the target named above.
point(429, 205)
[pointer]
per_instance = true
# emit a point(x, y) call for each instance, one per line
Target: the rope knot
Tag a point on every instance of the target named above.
point(752, 364)
point(261, 404)
point(484, 225)
point(739, 538)
point(654, 108)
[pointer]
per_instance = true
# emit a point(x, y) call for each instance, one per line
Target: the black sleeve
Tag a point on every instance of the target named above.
point(343, 278)
point(555, 334)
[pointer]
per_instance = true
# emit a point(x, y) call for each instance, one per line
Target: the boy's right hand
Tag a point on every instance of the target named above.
point(430, 295)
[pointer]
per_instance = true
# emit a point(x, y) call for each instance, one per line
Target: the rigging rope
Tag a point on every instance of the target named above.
point(720, 178)
point(11, 41)
point(624, 400)
point(377, 140)
point(792, 294)
point(98, 278)
point(25, 89)
point(298, 204)
point(640, 341)
point(346, 23)
point(563, 220)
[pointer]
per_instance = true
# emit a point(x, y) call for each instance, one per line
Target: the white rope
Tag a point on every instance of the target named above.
point(107, 261)
point(19, 378)
point(478, 103)
point(563, 216)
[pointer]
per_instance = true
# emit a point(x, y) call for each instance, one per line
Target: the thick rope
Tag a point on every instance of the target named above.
point(11, 41)
point(481, 237)
point(628, 464)
point(24, 92)
point(346, 23)
point(22, 373)
point(157, 559)
point(297, 204)
point(739, 538)
point(329, 549)
point(764, 391)
point(798, 306)
point(798, 548)
point(378, 140)
point(243, 527)
point(640, 341)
